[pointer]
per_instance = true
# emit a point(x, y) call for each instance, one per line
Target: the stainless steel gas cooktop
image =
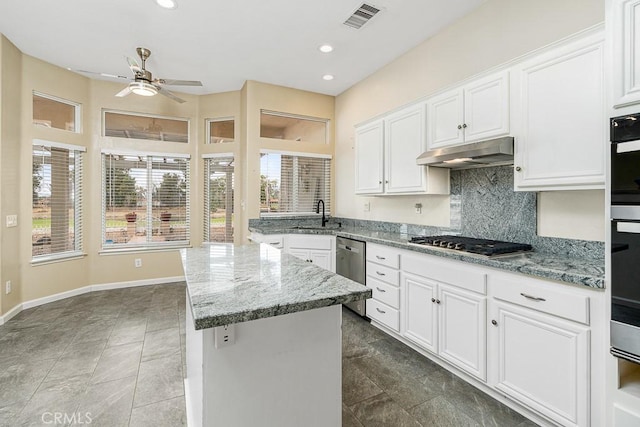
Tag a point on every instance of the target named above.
point(489, 248)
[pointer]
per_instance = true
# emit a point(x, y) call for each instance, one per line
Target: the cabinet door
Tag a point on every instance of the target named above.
point(303, 254)
point(322, 259)
point(626, 52)
point(486, 108)
point(404, 142)
point(419, 311)
point(561, 134)
point(462, 330)
point(445, 119)
point(543, 362)
point(369, 158)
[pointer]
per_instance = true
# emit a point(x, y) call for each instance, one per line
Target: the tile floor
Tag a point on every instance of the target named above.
point(118, 357)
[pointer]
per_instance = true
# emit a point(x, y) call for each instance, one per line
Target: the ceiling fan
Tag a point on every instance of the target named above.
point(143, 82)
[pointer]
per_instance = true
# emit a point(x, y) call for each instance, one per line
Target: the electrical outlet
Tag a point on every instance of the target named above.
point(418, 208)
point(7, 287)
point(224, 336)
point(367, 206)
point(137, 262)
point(12, 220)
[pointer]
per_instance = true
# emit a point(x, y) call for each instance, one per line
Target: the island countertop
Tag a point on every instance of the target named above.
point(229, 284)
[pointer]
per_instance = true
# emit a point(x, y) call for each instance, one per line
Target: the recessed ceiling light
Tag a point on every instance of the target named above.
point(167, 4)
point(328, 77)
point(325, 48)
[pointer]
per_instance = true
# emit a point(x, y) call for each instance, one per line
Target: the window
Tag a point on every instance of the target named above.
point(292, 127)
point(145, 126)
point(220, 131)
point(52, 112)
point(145, 200)
point(56, 230)
point(218, 198)
point(292, 183)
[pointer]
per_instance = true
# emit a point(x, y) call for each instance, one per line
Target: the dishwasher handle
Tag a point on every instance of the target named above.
point(348, 248)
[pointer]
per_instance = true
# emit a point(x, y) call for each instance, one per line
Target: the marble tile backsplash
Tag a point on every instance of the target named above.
point(483, 205)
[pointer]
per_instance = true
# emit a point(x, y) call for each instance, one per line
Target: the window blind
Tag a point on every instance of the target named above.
point(57, 175)
point(293, 183)
point(218, 199)
point(145, 200)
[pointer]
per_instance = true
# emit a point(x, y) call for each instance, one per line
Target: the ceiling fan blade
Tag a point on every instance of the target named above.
point(133, 64)
point(124, 92)
point(174, 82)
point(113, 76)
point(169, 94)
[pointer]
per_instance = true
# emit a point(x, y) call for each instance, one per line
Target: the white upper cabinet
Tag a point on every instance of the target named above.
point(386, 152)
point(559, 119)
point(476, 111)
point(626, 52)
point(370, 158)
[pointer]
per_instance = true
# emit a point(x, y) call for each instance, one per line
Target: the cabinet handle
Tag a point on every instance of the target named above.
point(518, 168)
point(433, 300)
point(494, 323)
point(437, 301)
point(380, 311)
point(532, 297)
point(379, 182)
point(386, 181)
point(310, 260)
point(459, 127)
point(464, 125)
point(381, 290)
point(380, 257)
point(380, 274)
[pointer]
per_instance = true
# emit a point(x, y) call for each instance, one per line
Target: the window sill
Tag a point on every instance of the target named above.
point(123, 251)
point(55, 258)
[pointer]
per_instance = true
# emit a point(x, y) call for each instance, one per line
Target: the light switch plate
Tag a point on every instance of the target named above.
point(12, 220)
point(367, 206)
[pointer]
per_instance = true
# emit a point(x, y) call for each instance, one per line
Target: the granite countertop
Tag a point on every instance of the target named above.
point(229, 284)
point(581, 271)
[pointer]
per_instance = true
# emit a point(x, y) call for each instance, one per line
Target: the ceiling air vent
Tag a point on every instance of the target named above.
point(361, 16)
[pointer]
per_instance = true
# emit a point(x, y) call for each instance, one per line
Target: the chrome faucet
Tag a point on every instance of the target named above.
point(324, 219)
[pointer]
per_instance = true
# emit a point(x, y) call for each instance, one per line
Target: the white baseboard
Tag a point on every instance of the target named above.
point(79, 291)
point(10, 314)
point(187, 401)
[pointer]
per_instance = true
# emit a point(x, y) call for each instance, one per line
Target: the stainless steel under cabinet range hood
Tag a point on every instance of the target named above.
point(492, 152)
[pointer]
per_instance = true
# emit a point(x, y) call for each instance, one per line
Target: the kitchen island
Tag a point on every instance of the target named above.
point(263, 337)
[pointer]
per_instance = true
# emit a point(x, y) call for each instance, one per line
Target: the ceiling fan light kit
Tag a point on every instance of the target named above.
point(143, 88)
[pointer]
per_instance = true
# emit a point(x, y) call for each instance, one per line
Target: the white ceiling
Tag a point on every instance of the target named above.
point(225, 43)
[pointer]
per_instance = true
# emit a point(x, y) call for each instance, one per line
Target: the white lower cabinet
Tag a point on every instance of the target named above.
point(447, 321)
point(541, 361)
point(319, 250)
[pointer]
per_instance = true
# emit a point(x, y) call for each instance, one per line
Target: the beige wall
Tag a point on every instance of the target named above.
point(495, 33)
point(10, 141)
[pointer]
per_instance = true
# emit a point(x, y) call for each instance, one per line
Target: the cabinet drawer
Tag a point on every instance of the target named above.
point(384, 314)
point(384, 274)
point(541, 296)
point(384, 292)
point(383, 255)
point(309, 242)
point(453, 273)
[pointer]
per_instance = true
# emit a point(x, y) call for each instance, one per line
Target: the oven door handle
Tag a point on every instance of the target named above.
point(627, 227)
point(627, 147)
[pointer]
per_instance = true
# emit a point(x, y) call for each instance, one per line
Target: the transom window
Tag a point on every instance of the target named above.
point(56, 113)
point(145, 200)
point(122, 124)
point(220, 130)
point(57, 176)
point(293, 127)
point(292, 183)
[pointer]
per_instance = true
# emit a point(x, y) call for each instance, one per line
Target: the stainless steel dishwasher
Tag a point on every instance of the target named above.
point(350, 263)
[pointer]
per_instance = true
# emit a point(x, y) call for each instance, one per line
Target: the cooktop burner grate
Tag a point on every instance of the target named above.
point(471, 245)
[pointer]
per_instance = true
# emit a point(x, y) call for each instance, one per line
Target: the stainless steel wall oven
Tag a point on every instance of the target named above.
point(625, 237)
